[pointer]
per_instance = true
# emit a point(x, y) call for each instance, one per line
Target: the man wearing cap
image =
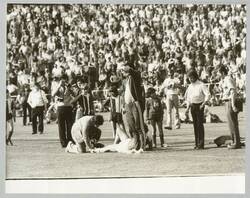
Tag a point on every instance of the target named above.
point(134, 105)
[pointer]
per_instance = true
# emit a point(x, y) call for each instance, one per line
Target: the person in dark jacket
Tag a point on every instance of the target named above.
point(134, 101)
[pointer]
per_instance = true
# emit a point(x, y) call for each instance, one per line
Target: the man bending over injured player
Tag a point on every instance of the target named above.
point(85, 133)
point(126, 144)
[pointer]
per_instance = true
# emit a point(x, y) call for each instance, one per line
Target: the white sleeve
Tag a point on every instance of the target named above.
point(186, 96)
point(30, 100)
point(205, 92)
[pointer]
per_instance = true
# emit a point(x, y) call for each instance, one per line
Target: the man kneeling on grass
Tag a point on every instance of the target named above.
point(85, 133)
point(125, 145)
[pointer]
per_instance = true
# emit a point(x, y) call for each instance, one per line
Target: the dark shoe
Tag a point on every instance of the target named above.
point(200, 148)
point(234, 146)
point(196, 147)
point(169, 128)
point(41, 132)
point(34, 133)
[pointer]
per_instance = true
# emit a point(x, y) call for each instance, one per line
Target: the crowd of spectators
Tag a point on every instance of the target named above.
point(95, 41)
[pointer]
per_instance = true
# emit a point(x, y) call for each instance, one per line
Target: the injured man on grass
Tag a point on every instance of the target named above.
point(125, 143)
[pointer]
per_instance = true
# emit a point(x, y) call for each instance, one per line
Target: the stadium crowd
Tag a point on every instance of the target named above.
point(90, 45)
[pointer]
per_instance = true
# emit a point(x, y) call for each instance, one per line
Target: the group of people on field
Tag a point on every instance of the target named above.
point(142, 54)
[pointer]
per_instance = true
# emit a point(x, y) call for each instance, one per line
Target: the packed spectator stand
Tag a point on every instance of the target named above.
point(94, 42)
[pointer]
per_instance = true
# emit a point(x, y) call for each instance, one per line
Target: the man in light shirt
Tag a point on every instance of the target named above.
point(197, 95)
point(229, 92)
point(170, 86)
point(85, 134)
point(38, 102)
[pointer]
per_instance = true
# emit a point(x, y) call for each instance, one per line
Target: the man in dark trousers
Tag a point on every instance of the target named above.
point(229, 91)
point(197, 95)
point(22, 98)
point(64, 110)
point(134, 100)
point(38, 102)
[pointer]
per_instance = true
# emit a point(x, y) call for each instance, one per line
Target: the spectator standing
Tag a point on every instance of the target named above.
point(22, 99)
point(38, 102)
point(197, 95)
point(9, 118)
point(170, 86)
point(229, 97)
point(64, 110)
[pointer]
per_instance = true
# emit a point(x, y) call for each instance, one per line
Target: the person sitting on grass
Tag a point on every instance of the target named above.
point(86, 134)
point(126, 144)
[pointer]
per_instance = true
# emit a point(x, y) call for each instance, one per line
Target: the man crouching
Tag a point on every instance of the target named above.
point(85, 133)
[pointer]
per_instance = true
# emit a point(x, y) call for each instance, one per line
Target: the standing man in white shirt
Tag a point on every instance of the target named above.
point(229, 92)
point(38, 102)
point(197, 95)
point(170, 86)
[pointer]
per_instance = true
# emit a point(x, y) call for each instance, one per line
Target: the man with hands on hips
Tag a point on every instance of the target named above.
point(197, 95)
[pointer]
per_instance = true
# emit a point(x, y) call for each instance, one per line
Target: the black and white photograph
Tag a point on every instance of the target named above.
point(99, 91)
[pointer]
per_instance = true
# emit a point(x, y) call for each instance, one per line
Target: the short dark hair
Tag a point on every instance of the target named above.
point(98, 119)
point(193, 73)
point(95, 133)
point(37, 84)
point(223, 70)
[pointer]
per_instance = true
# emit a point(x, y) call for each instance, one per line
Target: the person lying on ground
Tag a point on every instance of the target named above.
point(126, 144)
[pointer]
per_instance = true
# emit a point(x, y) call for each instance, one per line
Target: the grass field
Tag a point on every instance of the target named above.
point(41, 156)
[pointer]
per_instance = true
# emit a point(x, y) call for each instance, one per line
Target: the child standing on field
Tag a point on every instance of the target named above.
point(154, 115)
point(115, 102)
